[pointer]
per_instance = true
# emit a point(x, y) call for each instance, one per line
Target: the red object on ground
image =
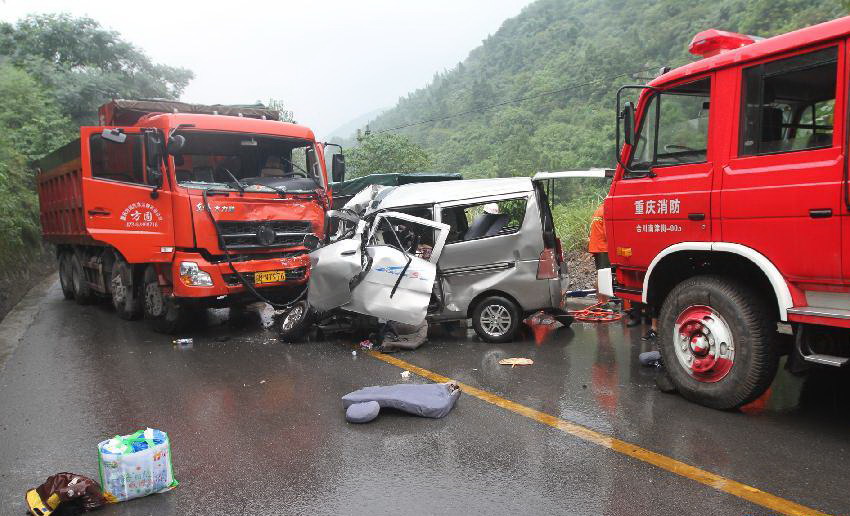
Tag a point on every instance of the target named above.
point(596, 313)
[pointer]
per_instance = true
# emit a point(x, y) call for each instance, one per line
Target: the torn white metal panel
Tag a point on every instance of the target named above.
point(593, 172)
point(397, 286)
point(331, 270)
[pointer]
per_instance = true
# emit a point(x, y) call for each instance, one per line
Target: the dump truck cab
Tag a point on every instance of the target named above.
point(729, 205)
point(198, 205)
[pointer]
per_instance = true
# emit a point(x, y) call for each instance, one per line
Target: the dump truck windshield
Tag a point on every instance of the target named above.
point(259, 163)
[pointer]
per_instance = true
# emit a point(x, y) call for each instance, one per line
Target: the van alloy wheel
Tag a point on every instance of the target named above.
point(703, 343)
point(495, 320)
point(293, 317)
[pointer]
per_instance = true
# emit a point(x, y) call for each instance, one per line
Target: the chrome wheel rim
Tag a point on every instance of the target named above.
point(292, 317)
point(703, 343)
point(153, 300)
point(495, 320)
point(119, 290)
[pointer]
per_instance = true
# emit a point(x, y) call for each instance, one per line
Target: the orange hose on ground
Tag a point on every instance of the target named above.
point(596, 313)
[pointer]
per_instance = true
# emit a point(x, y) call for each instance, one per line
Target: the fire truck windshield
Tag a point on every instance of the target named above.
point(674, 127)
point(259, 163)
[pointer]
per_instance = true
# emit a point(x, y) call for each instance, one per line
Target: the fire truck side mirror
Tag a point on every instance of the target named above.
point(627, 115)
point(338, 168)
point(175, 144)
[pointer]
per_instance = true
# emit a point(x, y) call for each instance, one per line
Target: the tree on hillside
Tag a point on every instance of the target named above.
point(85, 64)
point(386, 152)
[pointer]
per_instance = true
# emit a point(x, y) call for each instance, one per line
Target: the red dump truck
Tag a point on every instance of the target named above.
point(730, 207)
point(167, 208)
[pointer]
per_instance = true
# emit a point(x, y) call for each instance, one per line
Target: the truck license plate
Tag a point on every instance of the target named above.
point(269, 277)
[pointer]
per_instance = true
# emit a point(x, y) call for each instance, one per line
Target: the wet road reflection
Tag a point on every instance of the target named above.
point(259, 423)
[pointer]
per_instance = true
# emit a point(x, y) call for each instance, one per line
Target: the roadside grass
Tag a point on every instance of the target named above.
point(572, 221)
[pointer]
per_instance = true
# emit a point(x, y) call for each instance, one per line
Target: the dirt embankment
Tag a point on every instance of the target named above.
point(15, 281)
point(581, 270)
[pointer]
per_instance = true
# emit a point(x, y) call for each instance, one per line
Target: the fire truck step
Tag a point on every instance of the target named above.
point(816, 358)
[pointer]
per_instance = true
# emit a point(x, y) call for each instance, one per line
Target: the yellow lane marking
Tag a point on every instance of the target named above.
point(708, 478)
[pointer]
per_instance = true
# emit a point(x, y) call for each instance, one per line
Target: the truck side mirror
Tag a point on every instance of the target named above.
point(114, 135)
point(338, 168)
point(627, 115)
point(176, 144)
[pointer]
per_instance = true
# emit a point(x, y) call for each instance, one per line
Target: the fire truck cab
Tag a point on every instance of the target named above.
point(729, 208)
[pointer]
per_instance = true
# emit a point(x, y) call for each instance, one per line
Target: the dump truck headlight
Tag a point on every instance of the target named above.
point(193, 276)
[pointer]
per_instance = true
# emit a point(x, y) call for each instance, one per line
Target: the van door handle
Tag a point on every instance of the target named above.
point(820, 214)
point(347, 253)
point(696, 216)
point(99, 211)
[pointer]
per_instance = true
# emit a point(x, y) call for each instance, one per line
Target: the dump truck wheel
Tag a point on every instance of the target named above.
point(125, 297)
point(83, 294)
point(496, 319)
point(163, 312)
point(294, 324)
point(66, 279)
point(716, 339)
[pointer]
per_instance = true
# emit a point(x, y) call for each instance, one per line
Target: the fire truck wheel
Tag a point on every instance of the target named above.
point(125, 297)
point(716, 339)
point(496, 319)
point(163, 312)
point(66, 279)
point(83, 293)
point(295, 322)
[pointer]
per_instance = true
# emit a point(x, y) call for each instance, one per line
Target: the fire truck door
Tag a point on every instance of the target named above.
point(665, 198)
point(124, 208)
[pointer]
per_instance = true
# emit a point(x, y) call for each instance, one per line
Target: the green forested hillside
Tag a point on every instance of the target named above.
point(581, 47)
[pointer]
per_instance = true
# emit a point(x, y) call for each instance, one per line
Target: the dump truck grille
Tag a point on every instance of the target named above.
point(264, 234)
point(295, 274)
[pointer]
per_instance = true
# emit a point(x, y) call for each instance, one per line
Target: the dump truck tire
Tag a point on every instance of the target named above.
point(716, 339)
point(66, 279)
point(496, 319)
point(125, 295)
point(163, 312)
point(83, 294)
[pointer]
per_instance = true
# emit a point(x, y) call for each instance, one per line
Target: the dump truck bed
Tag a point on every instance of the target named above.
point(60, 194)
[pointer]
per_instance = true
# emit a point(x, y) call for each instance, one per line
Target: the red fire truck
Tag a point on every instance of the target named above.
point(728, 214)
point(167, 208)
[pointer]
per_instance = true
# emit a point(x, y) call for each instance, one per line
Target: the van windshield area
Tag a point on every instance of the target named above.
point(260, 163)
point(674, 127)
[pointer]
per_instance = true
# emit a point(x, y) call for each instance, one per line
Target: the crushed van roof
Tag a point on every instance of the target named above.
point(431, 193)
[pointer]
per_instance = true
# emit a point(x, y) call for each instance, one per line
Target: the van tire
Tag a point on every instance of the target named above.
point(295, 322)
point(733, 309)
point(496, 319)
point(83, 294)
point(125, 295)
point(163, 312)
point(66, 280)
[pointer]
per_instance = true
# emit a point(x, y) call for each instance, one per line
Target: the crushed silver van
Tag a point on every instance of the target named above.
point(480, 249)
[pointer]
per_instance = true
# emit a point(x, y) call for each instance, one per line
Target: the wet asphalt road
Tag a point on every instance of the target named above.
point(257, 425)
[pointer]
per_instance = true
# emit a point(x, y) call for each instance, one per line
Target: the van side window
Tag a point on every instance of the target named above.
point(674, 127)
point(483, 220)
point(788, 104)
point(117, 161)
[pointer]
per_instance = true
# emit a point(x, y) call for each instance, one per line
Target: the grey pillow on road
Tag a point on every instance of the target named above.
point(362, 412)
point(427, 400)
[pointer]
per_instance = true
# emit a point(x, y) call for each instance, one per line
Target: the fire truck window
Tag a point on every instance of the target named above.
point(674, 127)
point(788, 104)
point(117, 161)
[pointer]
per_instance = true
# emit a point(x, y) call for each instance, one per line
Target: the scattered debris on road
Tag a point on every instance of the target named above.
point(136, 465)
point(516, 361)
point(405, 374)
point(65, 493)
point(650, 358)
point(433, 400)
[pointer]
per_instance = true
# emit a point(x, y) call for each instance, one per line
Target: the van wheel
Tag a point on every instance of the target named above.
point(66, 279)
point(163, 313)
point(83, 294)
point(294, 324)
point(716, 339)
point(125, 298)
point(496, 319)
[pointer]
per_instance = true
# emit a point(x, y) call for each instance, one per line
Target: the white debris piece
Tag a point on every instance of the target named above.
point(405, 374)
